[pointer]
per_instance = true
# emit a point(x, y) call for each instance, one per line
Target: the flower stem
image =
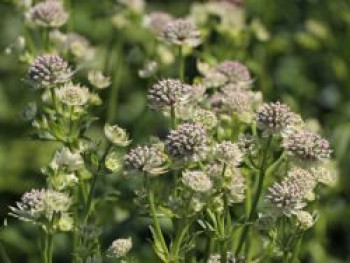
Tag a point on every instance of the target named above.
point(157, 228)
point(182, 64)
point(262, 173)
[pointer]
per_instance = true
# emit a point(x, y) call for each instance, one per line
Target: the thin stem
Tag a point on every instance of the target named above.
point(182, 64)
point(157, 228)
point(46, 38)
point(116, 76)
point(296, 249)
point(173, 116)
point(54, 99)
point(262, 173)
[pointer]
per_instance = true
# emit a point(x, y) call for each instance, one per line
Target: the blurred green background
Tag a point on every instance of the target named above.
point(298, 52)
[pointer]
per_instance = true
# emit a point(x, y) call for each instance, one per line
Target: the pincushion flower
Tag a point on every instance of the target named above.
point(273, 118)
point(146, 159)
point(167, 94)
point(116, 135)
point(157, 21)
point(228, 153)
point(187, 143)
point(49, 70)
point(67, 159)
point(120, 248)
point(197, 181)
point(182, 32)
point(73, 95)
point(48, 14)
point(98, 80)
point(307, 146)
point(39, 205)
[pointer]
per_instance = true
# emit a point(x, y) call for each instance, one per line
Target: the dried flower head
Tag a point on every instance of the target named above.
point(228, 153)
point(306, 145)
point(197, 181)
point(286, 197)
point(167, 93)
point(305, 219)
point(235, 73)
point(73, 95)
point(48, 14)
point(37, 206)
point(120, 248)
point(146, 159)
point(275, 117)
point(116, 135)
point(49, 70)
point(157, 22)
point(67, 160)
point(98, 80)
point(181, 32)
point(187, 142)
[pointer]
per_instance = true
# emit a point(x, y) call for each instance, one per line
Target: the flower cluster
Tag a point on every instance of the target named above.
point(48, 14)
point(187, 143)
point(49, 70)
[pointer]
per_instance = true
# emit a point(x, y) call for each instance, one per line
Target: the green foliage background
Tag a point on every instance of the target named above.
point(304, 62)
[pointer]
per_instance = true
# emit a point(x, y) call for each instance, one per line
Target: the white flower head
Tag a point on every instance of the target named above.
point(116, 135)
point(64, 158)
point(197, 181)
point(73, 95)
point(305, 219)
point(98, 80)
point(120, 247)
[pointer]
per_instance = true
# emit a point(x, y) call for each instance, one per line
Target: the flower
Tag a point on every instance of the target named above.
point(181, 32)
point(166, 94)
point(98, 80)
point(149, 69)
point(228, 153)
point(116, 135)
point(49, 70)
point(237, 100)
point(236, 188)
point(304, 179)
point(307, 146)
point(149, 159)
point(187, 142)
point(48, 14)
point(275, 117)
point(325, 174)
point(305, 220)
point(206, 118)
point(66, 223)
point(66, 159)
point(73, 95)
point(39, 205)
point(157, 22)
point(63, 181)
point(136, 6)
point(235, 73)
point(286, 197)
point(197, 181)
point(113, 162)
point(120, 247)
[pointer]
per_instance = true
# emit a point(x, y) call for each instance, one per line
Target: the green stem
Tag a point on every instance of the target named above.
point(116, 76)
point(157, 228)
point(296, 249)
point(46, 38)
point(262, 173)
point(181, 233)
point(54, 99)
point(48, 247)
point(182, 64)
